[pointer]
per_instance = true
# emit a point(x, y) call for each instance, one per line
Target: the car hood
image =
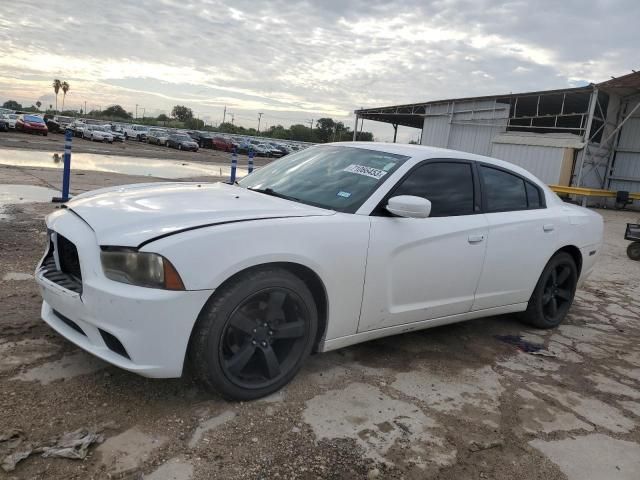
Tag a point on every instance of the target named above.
point(131, 215)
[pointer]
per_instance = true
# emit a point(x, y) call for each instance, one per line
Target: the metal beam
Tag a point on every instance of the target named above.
point(395, 132)
point(587, 130)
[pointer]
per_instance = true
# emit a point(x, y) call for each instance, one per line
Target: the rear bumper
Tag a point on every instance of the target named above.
point(152, 326)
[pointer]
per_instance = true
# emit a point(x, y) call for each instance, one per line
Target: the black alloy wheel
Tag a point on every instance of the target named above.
point(554, 292)
point(264, 337)
point(254, 334)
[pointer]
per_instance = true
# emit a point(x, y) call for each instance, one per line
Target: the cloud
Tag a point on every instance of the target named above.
point(298, 60)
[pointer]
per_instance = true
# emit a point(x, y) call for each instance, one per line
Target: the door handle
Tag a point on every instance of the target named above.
point(476, 238)
point(549, 227)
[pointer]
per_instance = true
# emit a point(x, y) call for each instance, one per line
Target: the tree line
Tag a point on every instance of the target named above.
point(322, 131)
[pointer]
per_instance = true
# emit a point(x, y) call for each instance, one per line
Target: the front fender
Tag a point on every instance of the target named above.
point(334, 247)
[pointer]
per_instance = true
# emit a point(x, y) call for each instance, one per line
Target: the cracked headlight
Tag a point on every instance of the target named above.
point(142, 269)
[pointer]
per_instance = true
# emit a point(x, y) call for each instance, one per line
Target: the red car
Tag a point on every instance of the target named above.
point(221, 143)
point(31, 124)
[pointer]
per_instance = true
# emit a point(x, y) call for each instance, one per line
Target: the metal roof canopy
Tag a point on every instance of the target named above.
point(412, 115)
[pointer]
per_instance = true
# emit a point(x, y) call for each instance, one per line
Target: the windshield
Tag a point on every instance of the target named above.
point(338, 178)
point(32, 118)
point(183, 138)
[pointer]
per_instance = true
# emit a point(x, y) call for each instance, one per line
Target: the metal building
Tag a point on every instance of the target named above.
point(587, 136)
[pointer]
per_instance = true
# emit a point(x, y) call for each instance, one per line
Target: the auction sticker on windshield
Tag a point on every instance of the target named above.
point(366, 171)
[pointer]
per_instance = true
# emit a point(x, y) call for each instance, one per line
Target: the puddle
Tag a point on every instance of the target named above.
point(170, 169)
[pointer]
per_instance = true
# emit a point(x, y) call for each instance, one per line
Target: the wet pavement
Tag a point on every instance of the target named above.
point(158, 168)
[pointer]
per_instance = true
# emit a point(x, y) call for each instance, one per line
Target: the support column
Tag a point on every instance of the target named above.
point(355, 130)
point(395, 132)
point(587, 133)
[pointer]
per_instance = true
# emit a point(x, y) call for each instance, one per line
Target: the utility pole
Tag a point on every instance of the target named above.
point(85, 107)
point(311, 127)
point(136, 111)
point(232, 118)
point(259, 118)
point(143, 110)
point(224, 114)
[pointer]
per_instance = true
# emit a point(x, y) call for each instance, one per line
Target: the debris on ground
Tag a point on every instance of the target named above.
point(74, 445)
point(10, 461)
point(522, 344)
point(475, 446)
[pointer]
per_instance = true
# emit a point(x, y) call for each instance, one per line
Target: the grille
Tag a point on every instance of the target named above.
point(69, 276)
point(68, 255)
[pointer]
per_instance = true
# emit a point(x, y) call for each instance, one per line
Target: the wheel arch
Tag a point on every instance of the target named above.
point(310, 278)
point(575, 253)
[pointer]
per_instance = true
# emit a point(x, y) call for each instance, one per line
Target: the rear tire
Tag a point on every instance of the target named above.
point(554, 292)
point(254, 334)
point(633, 251)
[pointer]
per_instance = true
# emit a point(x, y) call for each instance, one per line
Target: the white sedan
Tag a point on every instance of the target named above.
point(98, 133)
point(324, 248)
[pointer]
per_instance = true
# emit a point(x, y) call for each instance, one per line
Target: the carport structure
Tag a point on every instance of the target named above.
point(586, 136)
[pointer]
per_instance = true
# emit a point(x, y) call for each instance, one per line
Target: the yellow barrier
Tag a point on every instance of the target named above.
point(590, 192)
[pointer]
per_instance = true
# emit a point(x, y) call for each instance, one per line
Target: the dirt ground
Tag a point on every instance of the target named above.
point(453, 402)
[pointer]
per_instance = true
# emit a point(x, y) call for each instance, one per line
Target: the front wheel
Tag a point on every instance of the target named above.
point(254, 334)
point(554, 292)
point(633, 251)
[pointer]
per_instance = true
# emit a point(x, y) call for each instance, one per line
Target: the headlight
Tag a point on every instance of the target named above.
point(140, 268)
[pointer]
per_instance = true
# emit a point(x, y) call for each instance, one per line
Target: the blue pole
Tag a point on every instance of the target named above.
point(66, 172)
point(250, 161)
point(234, 165)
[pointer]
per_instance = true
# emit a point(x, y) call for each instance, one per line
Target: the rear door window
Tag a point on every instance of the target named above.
point(503, 191)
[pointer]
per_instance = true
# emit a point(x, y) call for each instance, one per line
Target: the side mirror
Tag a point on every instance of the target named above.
point(409, 206)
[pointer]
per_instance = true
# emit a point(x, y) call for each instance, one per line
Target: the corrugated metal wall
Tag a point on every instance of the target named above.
point(544, 162)
point(466, 126)
point(627, 160)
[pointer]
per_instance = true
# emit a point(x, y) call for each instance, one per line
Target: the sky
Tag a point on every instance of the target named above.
point(295, 61)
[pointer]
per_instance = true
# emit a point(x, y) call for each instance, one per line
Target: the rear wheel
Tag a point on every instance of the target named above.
point(554, 292)
point(254, 334)
point(633, 251)
point(179, 146)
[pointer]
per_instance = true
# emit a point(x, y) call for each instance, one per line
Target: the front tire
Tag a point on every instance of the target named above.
point(554, 292)
point(254, 334)
point(633, 251)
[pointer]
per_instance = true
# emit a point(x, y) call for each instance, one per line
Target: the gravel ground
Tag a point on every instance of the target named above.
point(452, 402)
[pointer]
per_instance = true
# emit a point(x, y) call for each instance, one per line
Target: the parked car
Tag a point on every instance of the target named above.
point(11, 118)
point(118, 136)
point(157, 136)
point(52, 125)
point(77, 127)
point(182, 141)
point(325, 248)
point(31, 124)
point(98, 133)
point(203, 139)
point(281, 148)
point(4, 124)
point(265, 150)
point(137, 132)
point(222, 143)
point(63, 121)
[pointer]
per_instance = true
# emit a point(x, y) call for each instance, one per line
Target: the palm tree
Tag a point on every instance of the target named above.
point(65, 88)
point(38, 104)
point(57, 84)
